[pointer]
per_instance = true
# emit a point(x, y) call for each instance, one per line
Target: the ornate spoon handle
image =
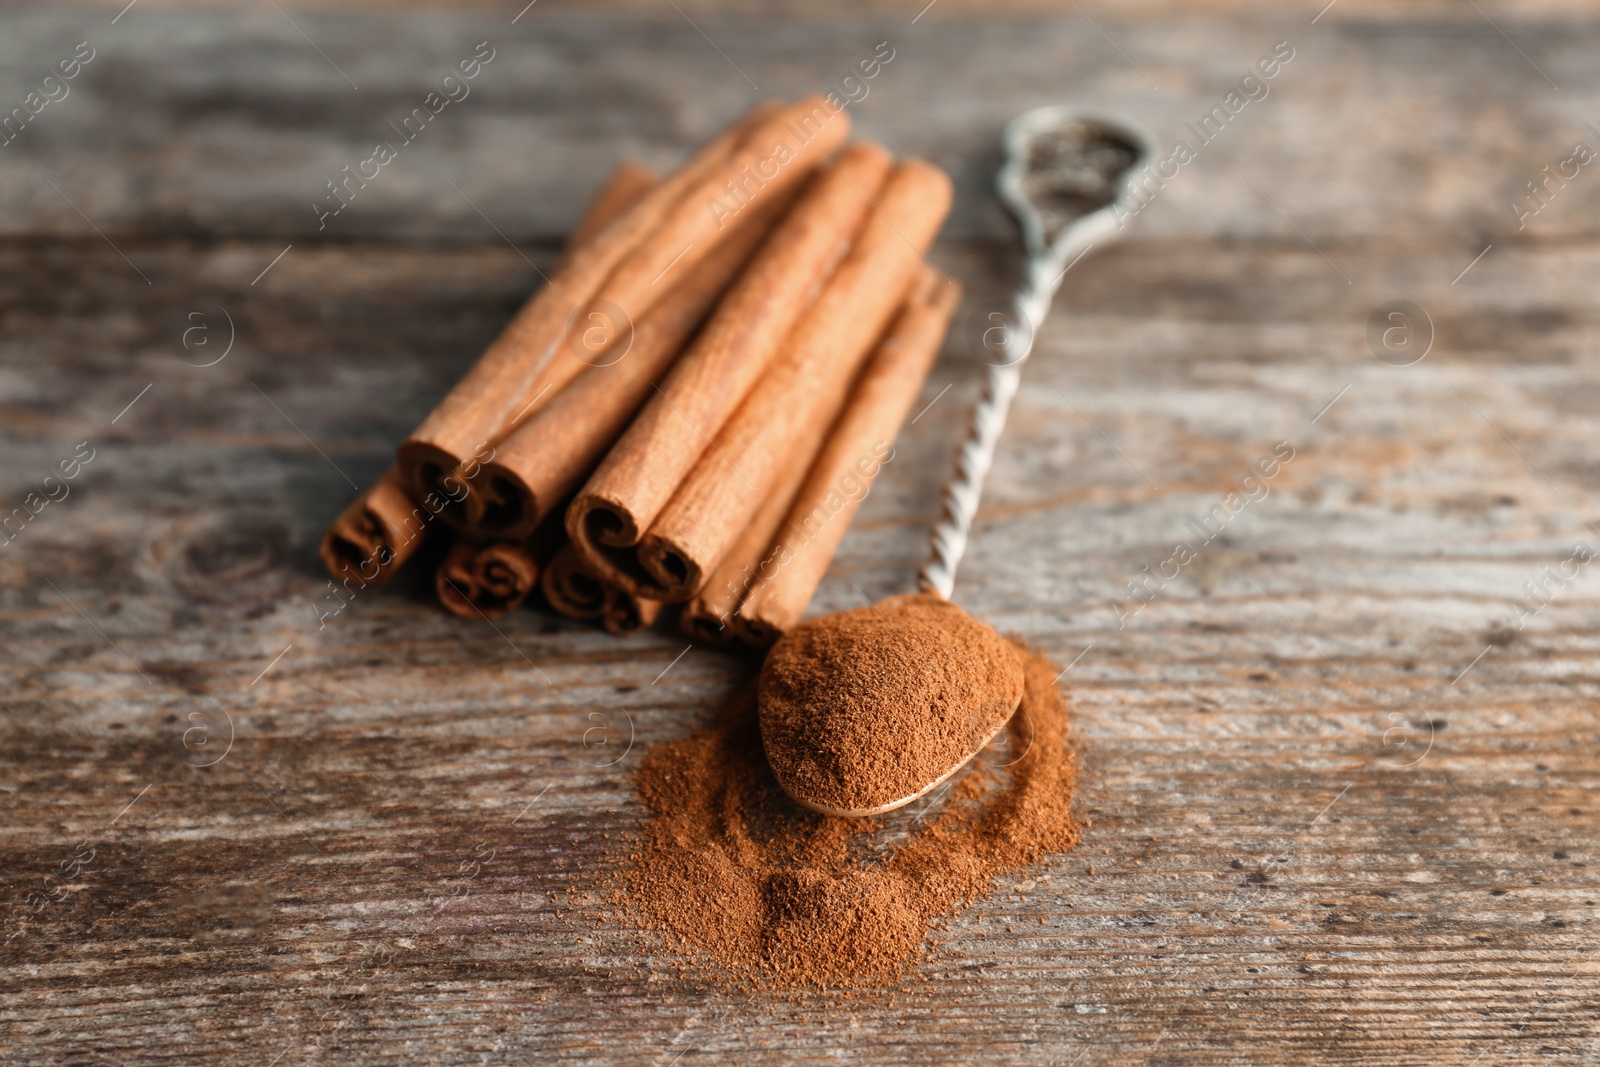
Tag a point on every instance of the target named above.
point(1106, 154)
point(948, 541)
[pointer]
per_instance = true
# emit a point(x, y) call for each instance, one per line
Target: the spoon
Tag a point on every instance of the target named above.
point(1066, 179)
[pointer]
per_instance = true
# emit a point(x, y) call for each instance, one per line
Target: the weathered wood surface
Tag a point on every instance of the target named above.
point(1343, 808)
point(231, 127)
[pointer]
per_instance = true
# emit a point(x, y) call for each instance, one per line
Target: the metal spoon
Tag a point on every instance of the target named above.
point(1066, 179)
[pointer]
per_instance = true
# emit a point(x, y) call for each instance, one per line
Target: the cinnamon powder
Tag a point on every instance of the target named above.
point(916, 670)
point(730, 867)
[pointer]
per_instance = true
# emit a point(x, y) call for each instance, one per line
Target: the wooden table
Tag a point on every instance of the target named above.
point(1342, 791)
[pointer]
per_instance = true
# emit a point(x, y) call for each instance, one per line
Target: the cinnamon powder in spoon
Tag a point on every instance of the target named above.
point(867, 707)
point(731, 868)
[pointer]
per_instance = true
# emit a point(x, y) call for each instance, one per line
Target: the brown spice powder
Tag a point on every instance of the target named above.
point(731, 867)
point(864, 708)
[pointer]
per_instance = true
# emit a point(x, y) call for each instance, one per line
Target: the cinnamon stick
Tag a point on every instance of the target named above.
point(858, 446)
point(485, 581)
point(893, 372)
point(626, 614)
point(499, 390)
point(804, 388)
point(375, 534)
point(381, 529)
point(710, 615)
point(779, 152)
point(638, 477)
point(571, 588)
point(625, 187)
point(574, 591)
point(543, 460)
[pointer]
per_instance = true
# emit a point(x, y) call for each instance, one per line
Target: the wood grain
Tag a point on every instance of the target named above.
point(1342, 808)
point(231, 126)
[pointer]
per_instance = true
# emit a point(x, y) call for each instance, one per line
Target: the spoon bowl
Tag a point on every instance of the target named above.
point(864, 711)
point(898, 802)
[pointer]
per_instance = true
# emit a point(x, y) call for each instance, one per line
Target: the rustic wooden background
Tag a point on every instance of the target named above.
point(1343, 806)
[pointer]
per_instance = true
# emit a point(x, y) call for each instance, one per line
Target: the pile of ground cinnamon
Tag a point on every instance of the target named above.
point(732, 868)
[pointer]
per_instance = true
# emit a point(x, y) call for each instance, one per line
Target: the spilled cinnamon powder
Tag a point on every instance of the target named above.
point(731, 868)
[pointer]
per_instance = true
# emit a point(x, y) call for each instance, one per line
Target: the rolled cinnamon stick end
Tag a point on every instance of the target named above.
point(545, 458)
point(485, 581)
point(626, 614)
point(709, 616)
point(806, 387)
point(858, 446)
point(507, 383)
point(746, 333)
point(376, 533)
point(571, 588)
point(378, 515)
point(574, 591)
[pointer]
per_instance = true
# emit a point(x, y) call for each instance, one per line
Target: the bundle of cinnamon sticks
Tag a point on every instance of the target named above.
point(682, 423)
